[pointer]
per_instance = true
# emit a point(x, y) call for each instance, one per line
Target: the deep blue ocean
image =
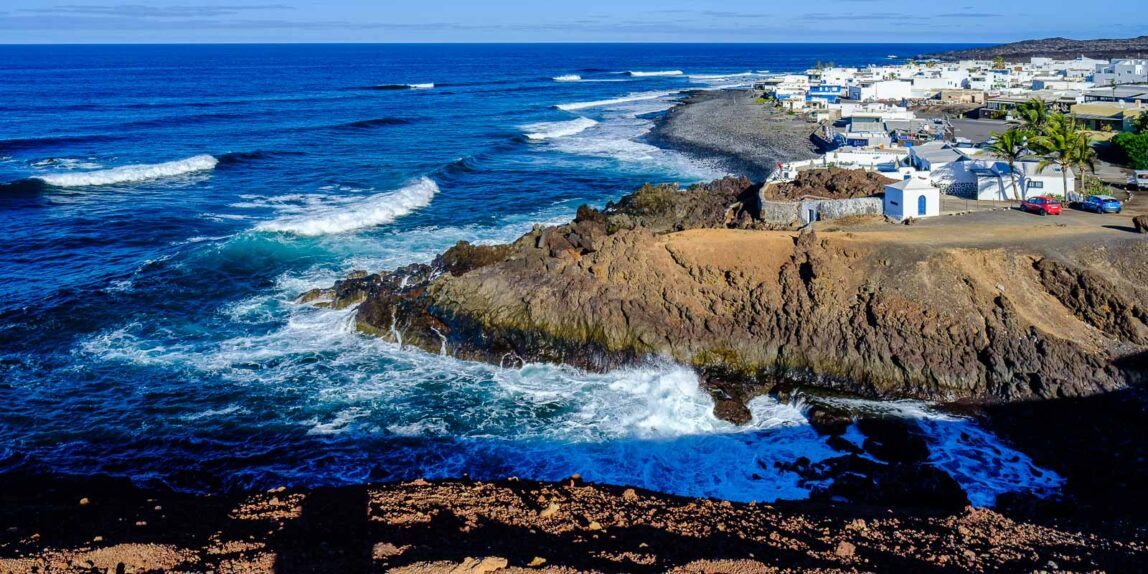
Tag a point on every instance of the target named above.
point(163, 206)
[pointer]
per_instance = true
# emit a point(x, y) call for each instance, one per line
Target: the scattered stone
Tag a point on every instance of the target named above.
point(85, 502)
point(484, 566)
point(845, 549)
point(550, 510)
point(538, 561)
point(630, 495)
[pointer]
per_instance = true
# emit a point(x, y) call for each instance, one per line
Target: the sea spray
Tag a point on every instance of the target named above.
point(655, 74)
point(353, 214)
point(551, 130)
point(636, 97)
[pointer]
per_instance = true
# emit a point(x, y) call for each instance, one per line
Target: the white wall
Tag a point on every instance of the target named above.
point(904, 204)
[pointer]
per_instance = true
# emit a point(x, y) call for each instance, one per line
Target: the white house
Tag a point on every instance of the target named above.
point(995, 183)
point(911, 198)
point(881, 90)
point(1121, 72)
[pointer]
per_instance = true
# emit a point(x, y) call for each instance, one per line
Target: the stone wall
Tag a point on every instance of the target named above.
point(797, 213)
point(827, 209)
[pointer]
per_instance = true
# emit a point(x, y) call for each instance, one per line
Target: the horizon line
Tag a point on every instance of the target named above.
point(428, 43)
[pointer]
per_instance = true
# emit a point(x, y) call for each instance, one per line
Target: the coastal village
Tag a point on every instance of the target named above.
point(893, 311)
point(983, 133)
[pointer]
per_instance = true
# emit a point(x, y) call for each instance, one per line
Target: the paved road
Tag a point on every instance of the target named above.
point(977, 131)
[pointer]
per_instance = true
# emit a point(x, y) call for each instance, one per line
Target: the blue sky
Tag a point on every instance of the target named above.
point(892, 21)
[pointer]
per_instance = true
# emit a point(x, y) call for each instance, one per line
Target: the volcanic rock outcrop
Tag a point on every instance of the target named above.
point(934, 311)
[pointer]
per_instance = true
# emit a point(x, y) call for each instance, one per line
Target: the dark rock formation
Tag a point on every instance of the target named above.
point(1141, 223)
point(831, 183)
point(1061, 48)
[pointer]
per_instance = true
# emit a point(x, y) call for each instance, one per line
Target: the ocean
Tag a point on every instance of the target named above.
point(163, 206)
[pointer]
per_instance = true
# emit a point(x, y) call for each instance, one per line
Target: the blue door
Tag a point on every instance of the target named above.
point(921, 204)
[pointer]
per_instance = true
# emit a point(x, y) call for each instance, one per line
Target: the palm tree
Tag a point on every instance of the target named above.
point(1033, 115)
point(1064, 145)
point(1009, 146)
point(1085, 159)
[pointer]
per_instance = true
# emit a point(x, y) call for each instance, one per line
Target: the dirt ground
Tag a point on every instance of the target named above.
point(1001, 225)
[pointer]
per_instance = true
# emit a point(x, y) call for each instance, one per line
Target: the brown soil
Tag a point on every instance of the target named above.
point(519, 526)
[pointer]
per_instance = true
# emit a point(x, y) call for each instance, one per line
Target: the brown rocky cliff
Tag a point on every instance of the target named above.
point(855, 312)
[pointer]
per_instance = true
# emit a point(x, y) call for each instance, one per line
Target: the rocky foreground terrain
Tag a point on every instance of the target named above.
point(1059, 48)
point(519, 527)
point(985, 308)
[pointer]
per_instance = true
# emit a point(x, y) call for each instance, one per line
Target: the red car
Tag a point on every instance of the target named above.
point(1043, 205)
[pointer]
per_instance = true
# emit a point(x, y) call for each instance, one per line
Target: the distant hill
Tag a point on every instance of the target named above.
point(1061, 48)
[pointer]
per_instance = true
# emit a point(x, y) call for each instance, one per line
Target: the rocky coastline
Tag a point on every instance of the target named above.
point(872, 310)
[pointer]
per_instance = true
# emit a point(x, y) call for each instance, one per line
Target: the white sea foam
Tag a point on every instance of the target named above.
point(636, 97)
point(420, 86)
point(551, 130)
point(655, 74)
point(131, 173)
point(974, 457)
point(65, 163)
point(651, 427)
point(350, 214)
point(568, 78)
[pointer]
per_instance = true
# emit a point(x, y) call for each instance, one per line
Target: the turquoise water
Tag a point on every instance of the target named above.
point(164, 205)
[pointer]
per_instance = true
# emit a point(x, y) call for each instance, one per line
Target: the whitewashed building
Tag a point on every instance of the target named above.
point(1121, 72)
point(912, 198)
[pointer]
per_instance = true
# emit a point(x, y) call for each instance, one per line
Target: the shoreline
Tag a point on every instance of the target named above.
point(729, 127)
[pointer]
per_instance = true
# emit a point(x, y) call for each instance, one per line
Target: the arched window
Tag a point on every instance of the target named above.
point(922, 205)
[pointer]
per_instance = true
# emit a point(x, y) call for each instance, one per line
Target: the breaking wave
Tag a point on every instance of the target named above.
point(568, 78)
point(551, 130)
point(638, 97)
point(131, 173)
point(656, 74)
point(341, 216)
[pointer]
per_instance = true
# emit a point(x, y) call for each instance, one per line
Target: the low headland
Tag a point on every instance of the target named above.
point(1036, 326)
point(1058, 48)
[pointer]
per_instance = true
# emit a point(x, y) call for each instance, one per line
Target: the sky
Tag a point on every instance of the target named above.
point(870, 21)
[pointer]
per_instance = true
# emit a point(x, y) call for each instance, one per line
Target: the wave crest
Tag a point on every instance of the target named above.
point(656, 74)
point(568, 78)
point(551, 130)
point(615, 101)
point(131, 173)
point(353, 215)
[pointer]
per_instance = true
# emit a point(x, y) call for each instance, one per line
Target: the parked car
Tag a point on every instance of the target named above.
point(1139, 180)
point(1101, 204)
point(1043, 205)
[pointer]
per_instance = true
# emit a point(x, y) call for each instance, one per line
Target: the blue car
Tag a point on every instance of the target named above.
point(1101, 204)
